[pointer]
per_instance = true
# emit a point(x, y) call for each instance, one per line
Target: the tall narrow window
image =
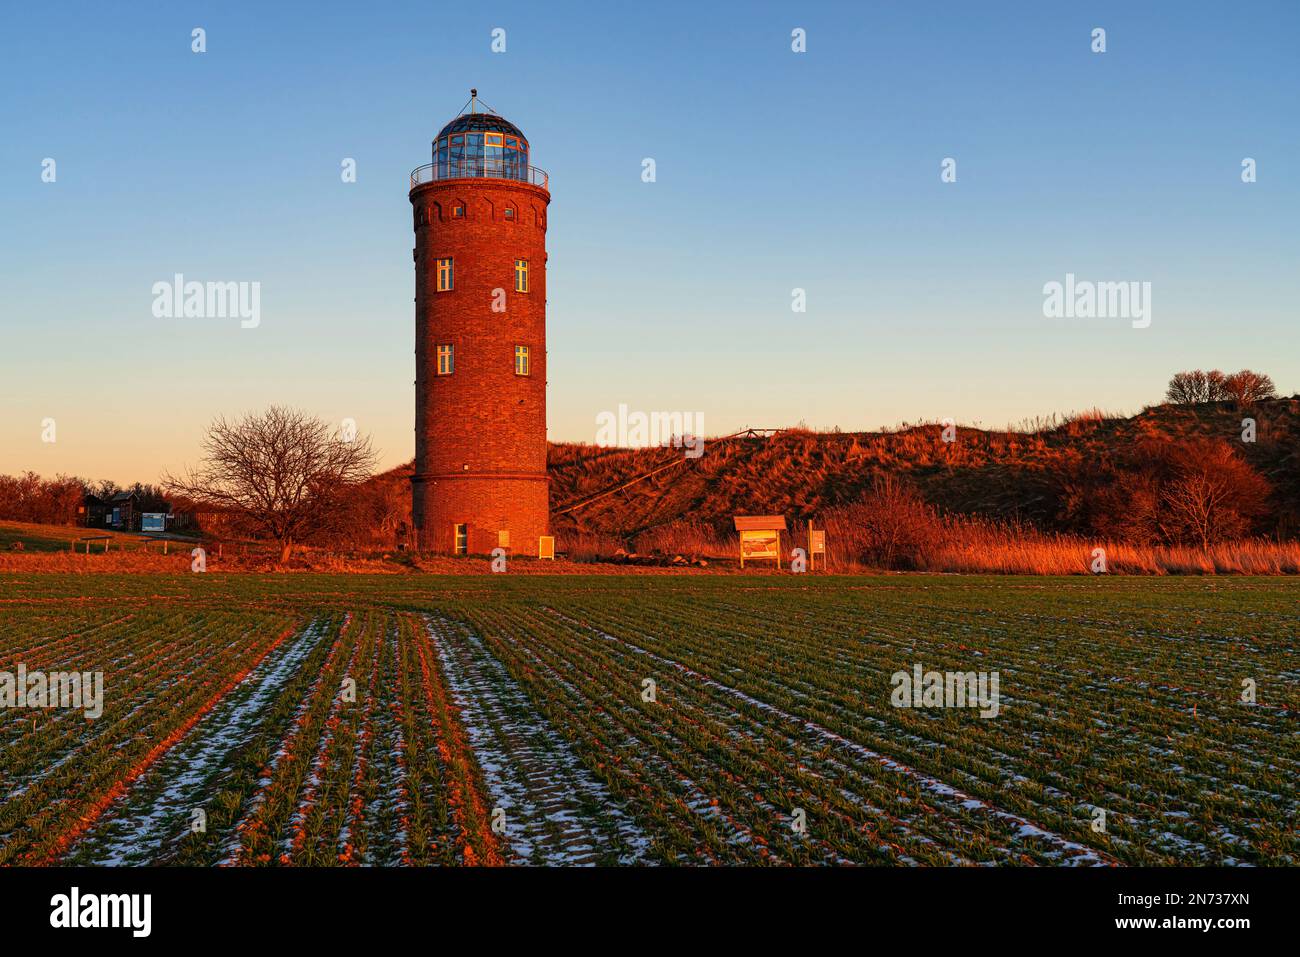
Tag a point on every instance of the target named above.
point(446, 360)
point(457, 167)
point(444, 275)
point(521, 275)
point(521, 360)
point(492, 150)
point(461, 532)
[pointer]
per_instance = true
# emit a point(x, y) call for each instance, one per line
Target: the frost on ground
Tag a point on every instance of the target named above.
point(156, 811)
point(1062, 850)
point(556, 812)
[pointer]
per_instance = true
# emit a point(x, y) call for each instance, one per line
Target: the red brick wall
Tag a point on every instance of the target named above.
point(483, 415)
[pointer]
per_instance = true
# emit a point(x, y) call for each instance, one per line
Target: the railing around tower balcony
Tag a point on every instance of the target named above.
point(478, 169)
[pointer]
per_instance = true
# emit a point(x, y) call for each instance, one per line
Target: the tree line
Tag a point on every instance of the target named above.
point(56, 501)
point(1245, 388)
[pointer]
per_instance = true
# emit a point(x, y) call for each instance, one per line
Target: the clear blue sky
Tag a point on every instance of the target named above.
point(775, 170)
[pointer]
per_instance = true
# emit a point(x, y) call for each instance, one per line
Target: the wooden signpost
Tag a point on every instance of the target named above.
point(546, 547)
point(760, 537)
point(816, 546)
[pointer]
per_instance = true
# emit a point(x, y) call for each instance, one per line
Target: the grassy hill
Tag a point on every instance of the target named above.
point(1025, 476)
point(1038, 481)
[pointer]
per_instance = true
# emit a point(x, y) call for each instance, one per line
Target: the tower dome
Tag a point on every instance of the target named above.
point(480, 123)
point(480, 144)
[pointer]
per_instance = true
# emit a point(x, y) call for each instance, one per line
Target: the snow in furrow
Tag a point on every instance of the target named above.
point(553, 805)
point(144, 824)
point(1073, 853)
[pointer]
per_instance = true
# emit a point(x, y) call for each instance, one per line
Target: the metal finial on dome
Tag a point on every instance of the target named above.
point(470, 120)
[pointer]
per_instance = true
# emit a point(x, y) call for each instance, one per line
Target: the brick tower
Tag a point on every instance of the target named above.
point(480, 340)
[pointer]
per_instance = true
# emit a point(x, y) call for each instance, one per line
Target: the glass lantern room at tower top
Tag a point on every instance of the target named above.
point(479, 144)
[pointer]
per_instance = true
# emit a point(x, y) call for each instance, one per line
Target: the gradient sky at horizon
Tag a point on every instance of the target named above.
point(775, 170)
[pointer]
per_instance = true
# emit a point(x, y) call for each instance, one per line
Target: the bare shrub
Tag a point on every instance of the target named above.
point(1196, 386)
point(1128, 508)
point(1214, 495)
point(891, 526)
point(1247, 387)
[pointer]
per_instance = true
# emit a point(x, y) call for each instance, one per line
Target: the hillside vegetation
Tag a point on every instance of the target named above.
point(1062, 478)
point(1175, 488)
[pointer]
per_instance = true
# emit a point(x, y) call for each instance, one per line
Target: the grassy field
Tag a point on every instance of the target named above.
point(62, 538)
point(425, 720)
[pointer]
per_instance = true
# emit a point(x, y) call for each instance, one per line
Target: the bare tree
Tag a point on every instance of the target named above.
point(890, 526)
point(1195, 386)
point(284, 473)
point(1247, 387)
point(1214, 495)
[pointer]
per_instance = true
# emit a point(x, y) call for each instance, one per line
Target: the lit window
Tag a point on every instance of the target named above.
point(461, 532)
point(521, 360)
point(521, 275)
point(446, 360)
point(444, 275)
point(510, 212)
point(458, 212)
